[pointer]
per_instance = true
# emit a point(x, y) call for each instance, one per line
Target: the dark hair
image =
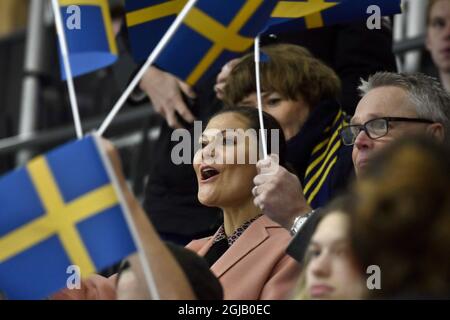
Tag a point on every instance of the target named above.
point(402, 218)
point(270, 123)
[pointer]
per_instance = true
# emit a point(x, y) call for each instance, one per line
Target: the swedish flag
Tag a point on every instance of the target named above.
point(309, 14)
point(61, 209)
point(213, 32)
point(89, 33)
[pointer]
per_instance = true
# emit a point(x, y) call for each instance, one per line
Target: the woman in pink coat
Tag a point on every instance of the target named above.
point(247, 253)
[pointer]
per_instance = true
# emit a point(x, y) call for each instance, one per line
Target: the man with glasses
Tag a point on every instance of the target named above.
point(392, 106)
point(395, 105)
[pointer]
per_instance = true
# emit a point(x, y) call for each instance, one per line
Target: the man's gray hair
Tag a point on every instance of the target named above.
point(425, 93)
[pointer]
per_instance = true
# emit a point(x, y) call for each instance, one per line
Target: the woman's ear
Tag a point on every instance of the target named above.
point(437, 131)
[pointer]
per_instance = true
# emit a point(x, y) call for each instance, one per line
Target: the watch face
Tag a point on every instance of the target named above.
point(298, 223)
point(301, 221)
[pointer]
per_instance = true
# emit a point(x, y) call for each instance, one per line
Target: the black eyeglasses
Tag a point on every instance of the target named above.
point(375, 128)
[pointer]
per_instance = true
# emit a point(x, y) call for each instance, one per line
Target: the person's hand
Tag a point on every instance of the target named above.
point(222, 77)
point(278, 193)
point(164, 90)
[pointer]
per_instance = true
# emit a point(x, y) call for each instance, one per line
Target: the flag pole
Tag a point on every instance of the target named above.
point(259, 99)
point(67, 69)
point(143, 259)
point(151, 59)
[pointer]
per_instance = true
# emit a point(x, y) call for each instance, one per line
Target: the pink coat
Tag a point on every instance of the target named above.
point(256, 266)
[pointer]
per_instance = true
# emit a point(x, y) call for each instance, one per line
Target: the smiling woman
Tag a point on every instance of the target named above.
point(247, 253)
point(230, 149)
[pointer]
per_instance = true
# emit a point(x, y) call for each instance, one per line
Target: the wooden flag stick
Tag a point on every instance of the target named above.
point(67, 69)
point(258, 95)
point(151, 59)
point(148, 274)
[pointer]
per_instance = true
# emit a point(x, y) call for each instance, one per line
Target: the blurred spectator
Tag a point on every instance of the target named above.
point(402, 219)
point(438, 38)
point(330, 270)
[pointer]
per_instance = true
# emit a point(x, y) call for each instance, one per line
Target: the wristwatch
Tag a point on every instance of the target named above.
point(299, 222)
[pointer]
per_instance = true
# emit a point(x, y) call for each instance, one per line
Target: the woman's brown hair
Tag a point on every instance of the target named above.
point(402, 220)
point(289, 70)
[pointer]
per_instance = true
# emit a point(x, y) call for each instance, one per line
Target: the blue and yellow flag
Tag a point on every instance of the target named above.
point(61, 209)
point(89, 33)
point(213, 32)
point(216, 31)
point(309, 14)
